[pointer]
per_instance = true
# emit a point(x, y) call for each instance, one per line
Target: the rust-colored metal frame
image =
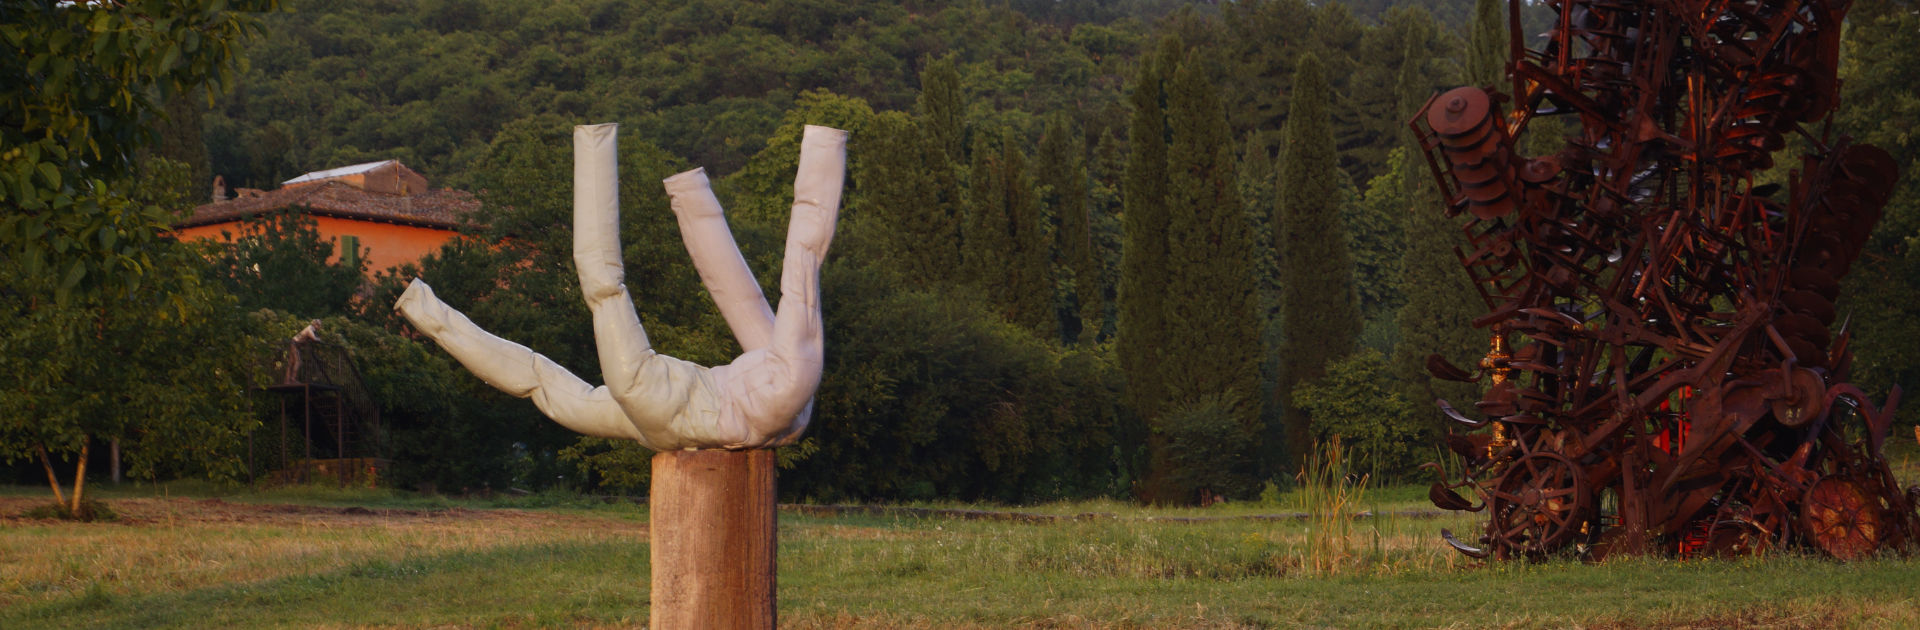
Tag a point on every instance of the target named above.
point(1666, 375)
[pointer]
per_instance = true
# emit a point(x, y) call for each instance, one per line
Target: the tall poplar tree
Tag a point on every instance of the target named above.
point(1062, 172)
point(1212, 346)
point(1318, 311)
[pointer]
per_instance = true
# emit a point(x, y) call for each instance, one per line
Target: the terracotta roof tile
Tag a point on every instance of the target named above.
point(443, 208)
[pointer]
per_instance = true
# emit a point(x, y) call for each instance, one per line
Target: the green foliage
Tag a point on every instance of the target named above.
point(430, 83)
point(85, 87)
point(1008, 248)
point(161, 366)
point(1879, 107)
point(1213, 347)
point(1374, 223)
point(934, 395)
point(906, 201)
point(1143, 263)
point(1487, 44)
point(1440, 302)
point(278, 261)
point(1207, 451)
point(1062, 186)
point(1356, 405)
point(90, 511)
point(762, 192)
point(620, 465)
point(1259, 196)
point(943, 108)
point(1318, 307)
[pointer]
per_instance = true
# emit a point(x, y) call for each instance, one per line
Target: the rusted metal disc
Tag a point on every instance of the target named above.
point(1540, 171)
point(1871, 164)
point(1808, 354)
point(1840, 518)
point(1815, 280)
point(1471, 140)
point(1805, 397)
point(1810, 304)
point(1491, 210)
point(1796, 325)
point(1486, 192)
point(1458, 111)
point(1480, 173)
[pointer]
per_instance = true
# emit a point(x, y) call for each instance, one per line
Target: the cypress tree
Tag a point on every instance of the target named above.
point(987, 240)
point(943, 109)
point(1440, 301)
point(1063, 186)
point(1487, 44)
point(1318, 311)
point(1105, 169)
point(1143, 257)
point(1212, 346)
point(1007, 244)
point(1440, 307)
point(902, 194)
point(1143, 328)
point(1259, 196)
point(1029, 270)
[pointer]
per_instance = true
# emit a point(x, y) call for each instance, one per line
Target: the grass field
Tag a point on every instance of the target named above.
point(326, 558)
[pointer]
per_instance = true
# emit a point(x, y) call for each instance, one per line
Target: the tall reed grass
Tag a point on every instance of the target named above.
point(1331, 494)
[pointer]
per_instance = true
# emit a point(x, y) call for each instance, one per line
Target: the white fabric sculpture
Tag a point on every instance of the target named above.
point(762, 399)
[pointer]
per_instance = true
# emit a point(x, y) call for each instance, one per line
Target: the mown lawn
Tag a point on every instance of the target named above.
point(334, 559)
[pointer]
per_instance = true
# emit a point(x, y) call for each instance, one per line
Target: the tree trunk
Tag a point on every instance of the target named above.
point(80, 476)
point(52, 479)
point(116, 458)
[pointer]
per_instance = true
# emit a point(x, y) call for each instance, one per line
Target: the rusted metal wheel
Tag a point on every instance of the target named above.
point(1540, 505)
point(1741, 530)
point(1841, 518)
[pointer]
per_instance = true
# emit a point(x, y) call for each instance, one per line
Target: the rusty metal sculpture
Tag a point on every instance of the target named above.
point(1665, 373)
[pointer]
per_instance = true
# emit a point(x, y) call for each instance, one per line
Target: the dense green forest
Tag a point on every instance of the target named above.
point(1139, 248)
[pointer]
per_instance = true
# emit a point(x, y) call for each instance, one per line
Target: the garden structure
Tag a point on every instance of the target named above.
point(329, 427)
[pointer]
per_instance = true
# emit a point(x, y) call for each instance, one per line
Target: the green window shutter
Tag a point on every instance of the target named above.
point(349, 251)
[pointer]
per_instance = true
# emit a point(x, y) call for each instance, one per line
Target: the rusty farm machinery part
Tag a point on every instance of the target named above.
point(1667, 371)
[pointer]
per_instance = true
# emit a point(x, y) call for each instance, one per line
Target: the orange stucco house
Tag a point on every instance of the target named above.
point(382, 208)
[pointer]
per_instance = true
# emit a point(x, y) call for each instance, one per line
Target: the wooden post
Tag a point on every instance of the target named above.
point(711, 524)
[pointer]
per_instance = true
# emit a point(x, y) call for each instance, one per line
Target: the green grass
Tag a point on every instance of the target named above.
point(272, 559)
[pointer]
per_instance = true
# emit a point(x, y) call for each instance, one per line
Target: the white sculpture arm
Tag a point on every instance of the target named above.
point(516, 370)
point(760, 400)
point(703, 227)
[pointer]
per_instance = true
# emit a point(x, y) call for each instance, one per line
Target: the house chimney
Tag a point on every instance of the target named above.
point(219, 189)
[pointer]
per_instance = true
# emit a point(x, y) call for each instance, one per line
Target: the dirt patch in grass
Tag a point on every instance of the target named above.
point(181, 511)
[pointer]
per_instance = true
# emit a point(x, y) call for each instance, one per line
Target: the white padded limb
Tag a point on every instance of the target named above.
point(760, 400)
